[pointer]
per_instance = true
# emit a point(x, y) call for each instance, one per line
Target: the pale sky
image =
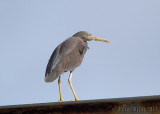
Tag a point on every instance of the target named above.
point(31, 29)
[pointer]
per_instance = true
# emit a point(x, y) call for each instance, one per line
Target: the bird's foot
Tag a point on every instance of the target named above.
point(76, 99)
point(61, 100)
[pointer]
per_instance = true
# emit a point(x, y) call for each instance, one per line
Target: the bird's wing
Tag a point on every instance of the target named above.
point(68, 46)
point(52, 61)
point(59, 53)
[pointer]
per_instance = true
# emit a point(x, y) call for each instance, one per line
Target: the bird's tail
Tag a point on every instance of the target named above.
point(51, 77)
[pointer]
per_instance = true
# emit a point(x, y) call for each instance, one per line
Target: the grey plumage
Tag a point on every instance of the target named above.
point(67, 56)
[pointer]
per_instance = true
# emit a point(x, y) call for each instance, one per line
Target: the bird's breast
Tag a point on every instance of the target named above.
point(75, 57)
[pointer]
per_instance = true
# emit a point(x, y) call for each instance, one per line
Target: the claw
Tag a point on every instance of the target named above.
point(60, 101)
point(76, 99)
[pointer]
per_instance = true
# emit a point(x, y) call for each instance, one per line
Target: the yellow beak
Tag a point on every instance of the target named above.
point(99, 39)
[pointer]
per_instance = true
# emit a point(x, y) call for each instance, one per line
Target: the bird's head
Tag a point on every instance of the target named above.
point(89, 37)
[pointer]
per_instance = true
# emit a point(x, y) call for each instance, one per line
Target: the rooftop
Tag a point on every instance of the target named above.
point(130, 105)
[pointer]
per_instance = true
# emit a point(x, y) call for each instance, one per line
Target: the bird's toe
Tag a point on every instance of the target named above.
point(60, 101)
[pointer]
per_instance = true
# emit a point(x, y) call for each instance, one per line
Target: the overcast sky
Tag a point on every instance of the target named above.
point(31, 29)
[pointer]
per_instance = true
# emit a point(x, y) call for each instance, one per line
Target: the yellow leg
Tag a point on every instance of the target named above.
point(59, 84)
point(70, 83)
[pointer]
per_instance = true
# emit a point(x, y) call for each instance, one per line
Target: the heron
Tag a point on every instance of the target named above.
point(67, 57)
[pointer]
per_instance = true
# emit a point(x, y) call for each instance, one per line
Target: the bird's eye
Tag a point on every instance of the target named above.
point(88, 35)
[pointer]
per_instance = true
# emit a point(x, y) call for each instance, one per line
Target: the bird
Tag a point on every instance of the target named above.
point(67, 57)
